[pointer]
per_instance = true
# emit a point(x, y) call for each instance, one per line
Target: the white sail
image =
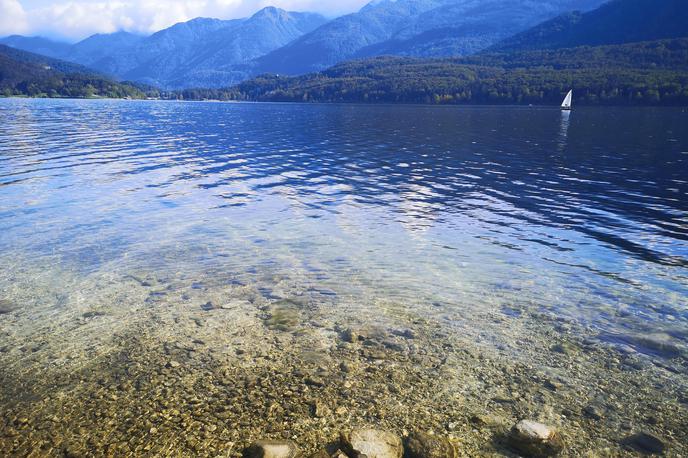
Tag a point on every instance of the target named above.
point(566, 104)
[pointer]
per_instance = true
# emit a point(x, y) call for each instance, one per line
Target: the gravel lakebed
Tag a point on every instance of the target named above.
point(142, 364)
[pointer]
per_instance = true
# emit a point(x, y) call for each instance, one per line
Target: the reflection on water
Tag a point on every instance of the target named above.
point(564, 131)
point(439, 203)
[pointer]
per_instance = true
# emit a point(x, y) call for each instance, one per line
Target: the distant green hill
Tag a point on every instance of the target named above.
point(616, 22)
point(654, 73)
point(26, 74)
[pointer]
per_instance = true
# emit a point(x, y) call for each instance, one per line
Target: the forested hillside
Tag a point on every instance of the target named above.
point(27, 74)
point(634, 74)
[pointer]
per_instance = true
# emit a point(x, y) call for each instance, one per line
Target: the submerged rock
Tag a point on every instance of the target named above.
point(645, 442)
point(421, 445)
point(594, 411)
point(283, 319)
point(208, 306)
point(272, 449)
point(349, 335)
point(565, 348)
point(7, 306)
point(660, 343)
point(372, 443)
point(535, 439)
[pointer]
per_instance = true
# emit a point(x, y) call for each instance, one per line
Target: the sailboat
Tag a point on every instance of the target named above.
point(566, 104)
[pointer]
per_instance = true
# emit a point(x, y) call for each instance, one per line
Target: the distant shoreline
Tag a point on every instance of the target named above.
point(352, 103)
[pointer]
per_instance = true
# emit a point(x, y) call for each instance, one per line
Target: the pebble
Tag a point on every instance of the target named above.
point(349, 336)
point(372, 443)
point(207, 306)
point(322, 453)
point(565, 348)
point(594, 411)
point(272, 449)
point(315, 381)
point(173, 364)
point(421, 445)
point(535, 439)
point(320, 409)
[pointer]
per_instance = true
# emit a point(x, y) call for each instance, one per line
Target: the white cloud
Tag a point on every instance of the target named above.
point(75, 19)
point(12, 17)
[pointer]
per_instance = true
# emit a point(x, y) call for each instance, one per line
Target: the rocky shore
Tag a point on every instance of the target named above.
point(527, 437)
point(158, 366)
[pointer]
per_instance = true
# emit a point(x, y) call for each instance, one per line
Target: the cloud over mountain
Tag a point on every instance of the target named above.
point(76, 19)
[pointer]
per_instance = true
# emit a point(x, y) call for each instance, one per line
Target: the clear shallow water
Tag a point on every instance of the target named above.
point(465, 208)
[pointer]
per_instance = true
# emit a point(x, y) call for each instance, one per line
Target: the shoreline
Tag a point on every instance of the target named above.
point(357, 103)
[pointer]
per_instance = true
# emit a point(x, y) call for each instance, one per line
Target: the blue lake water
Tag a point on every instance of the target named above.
point(487, 221)
point(581, 214)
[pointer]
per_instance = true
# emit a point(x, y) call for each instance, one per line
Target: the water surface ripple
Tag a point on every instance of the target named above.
point(581, 215)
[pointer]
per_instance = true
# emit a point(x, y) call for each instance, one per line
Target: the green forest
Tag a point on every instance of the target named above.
point(653, 73)
point(30, 75)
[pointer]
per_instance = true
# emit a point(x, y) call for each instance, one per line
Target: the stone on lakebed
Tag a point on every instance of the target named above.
point(535, 439)
point(372, 443)
point(421, 445)
point(272, 449)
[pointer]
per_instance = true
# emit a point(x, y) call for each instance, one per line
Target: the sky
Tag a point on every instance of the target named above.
point(71, 20)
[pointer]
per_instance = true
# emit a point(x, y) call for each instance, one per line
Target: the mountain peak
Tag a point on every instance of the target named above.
point(271, 12)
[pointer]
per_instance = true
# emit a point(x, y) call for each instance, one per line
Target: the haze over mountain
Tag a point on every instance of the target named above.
point(200, 52)
point(617, 22)
point(37, 45)
point(204, 52)
point(416, 28)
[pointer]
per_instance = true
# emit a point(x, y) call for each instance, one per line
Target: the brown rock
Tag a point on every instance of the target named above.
point(421, 445)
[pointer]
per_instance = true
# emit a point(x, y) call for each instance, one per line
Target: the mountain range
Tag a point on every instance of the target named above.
point(616, 22)
point(201, 52)
point(628, 37)
point(419, 28)
point(215, 53)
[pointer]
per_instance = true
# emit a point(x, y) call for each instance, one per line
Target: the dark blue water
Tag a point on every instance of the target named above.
point(584, 216)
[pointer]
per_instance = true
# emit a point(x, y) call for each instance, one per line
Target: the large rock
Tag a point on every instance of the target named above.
point(646, 443)
point(7, 306)
point(272, 449)
point(535, 439)
point(372, 443)
point(661, 343)
point(421, 445)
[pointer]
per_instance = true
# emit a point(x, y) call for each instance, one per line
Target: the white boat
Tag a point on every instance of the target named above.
point(566, 104)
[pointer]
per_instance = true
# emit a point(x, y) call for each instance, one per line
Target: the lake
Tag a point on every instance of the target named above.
point(188, 277)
